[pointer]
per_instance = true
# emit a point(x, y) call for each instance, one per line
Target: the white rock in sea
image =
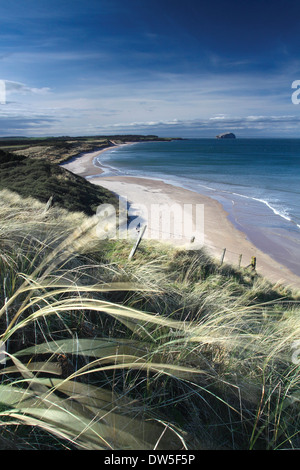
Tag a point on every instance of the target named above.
point(227, 135)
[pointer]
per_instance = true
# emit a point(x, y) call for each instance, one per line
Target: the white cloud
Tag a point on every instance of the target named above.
point(174, 104)
point(248, 125)
point(16, 87)
point(53, 56)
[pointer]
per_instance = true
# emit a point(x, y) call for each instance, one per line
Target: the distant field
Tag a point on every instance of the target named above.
point(12, 147)
point(60, 149)
point(55, 150)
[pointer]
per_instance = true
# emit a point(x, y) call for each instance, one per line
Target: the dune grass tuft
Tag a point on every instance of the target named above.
point(166, 351)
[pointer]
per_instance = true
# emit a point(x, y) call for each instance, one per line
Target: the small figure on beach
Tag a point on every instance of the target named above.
point(252, 264)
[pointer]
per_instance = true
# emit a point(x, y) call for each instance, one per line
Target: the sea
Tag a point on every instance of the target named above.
point(257, 181)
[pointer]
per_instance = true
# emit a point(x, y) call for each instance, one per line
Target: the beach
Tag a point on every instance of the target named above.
point(212, 229)
point(83, 164)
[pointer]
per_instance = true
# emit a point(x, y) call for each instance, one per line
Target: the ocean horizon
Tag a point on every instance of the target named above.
point(257, 181)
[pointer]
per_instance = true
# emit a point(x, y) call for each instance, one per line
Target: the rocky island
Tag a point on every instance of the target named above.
point(227, 135)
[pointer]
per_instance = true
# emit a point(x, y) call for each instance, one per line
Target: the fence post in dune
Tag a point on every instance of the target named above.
point(240, 260)
point(135, 246)
point(223, 256)
point(48, 205)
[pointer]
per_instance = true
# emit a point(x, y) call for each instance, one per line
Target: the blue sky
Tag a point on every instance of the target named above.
point(186, 68)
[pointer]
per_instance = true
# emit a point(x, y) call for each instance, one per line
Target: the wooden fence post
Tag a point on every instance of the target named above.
point(49, 204)
point(135, 246)
point(240, 260)
point(223, 256)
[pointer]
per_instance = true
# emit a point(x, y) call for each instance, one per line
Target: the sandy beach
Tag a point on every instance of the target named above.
point(211, 226)
point(84, 165)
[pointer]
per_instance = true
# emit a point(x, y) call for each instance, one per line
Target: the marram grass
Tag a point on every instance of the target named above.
point(167, 351)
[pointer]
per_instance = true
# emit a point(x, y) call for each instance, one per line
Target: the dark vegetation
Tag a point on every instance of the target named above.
point(4, 141)
point(44, 180)
point(60, 149)
point(29, 167)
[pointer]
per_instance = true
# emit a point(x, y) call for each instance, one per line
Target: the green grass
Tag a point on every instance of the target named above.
point(44, 180)
point(60, 149)
point(166, 351)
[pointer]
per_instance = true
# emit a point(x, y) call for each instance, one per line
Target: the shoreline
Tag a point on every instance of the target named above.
point(83, 164)
point(219, 231)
